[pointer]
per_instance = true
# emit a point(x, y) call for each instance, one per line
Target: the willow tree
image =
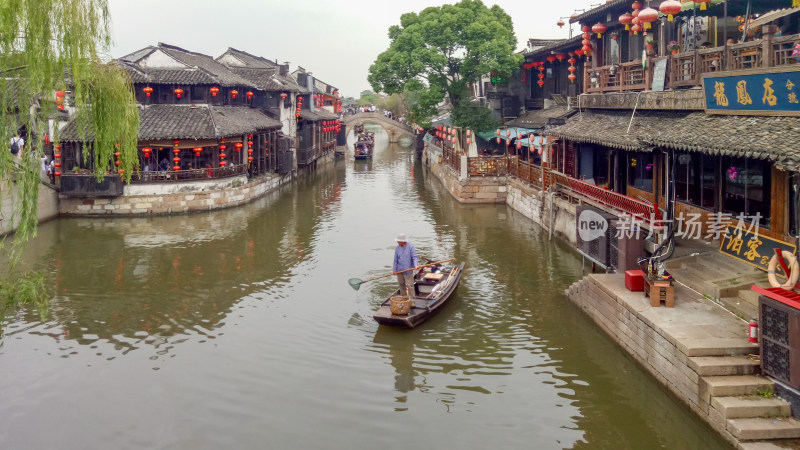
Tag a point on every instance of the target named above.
point(47, 46)
point(440, 51)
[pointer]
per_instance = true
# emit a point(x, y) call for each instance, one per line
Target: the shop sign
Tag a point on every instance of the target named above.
point(751, 247)
point(758, 92)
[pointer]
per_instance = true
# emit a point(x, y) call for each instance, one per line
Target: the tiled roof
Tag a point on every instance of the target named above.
point(201, 69)
point(263, 78)
point(188, 122)
point(563, 44)
point(741, 136)
point(538, 118)
point(602, 9)
point(252, 61)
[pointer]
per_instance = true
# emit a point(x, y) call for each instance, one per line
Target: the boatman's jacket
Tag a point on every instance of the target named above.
point(405, 258)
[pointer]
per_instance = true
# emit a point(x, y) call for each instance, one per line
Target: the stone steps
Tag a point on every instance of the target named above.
point(723, 365)
point(736, 385)
point(716, 346)
point(753, 429)
point(750, 407)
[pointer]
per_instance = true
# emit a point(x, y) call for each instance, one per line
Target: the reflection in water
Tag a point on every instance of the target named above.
point(180, 332)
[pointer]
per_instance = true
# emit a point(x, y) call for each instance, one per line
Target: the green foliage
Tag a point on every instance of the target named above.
point(436, 52)
point(28, 289)
point(766, 392)
point(369, 99)
point(48, 46)
point(478, 118)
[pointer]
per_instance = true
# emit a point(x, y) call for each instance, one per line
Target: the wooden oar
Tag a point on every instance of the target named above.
point(356, 283)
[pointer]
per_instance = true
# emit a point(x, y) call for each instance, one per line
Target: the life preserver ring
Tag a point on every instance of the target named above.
point(794, 268)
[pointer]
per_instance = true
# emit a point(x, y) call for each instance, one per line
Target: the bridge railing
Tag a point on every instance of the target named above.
point(378, 117)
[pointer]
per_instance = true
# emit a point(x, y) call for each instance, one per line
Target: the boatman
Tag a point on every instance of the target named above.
point(405, 257)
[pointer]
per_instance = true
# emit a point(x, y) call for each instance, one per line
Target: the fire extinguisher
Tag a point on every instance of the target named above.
point(753, 332)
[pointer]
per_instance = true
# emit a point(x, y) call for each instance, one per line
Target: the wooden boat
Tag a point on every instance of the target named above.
point(364, 146)
point(433, 290)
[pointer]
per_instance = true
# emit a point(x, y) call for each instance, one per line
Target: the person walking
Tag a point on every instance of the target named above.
point(405, 257)
point(17, 145)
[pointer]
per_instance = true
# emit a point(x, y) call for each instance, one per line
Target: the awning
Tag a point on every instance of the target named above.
point(772, 15)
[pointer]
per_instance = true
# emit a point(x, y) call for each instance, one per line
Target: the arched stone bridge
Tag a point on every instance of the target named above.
point(393, 127)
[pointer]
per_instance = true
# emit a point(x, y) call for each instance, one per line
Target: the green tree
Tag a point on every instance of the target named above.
point(48, 46)
point(437, 52)
point(369, 99)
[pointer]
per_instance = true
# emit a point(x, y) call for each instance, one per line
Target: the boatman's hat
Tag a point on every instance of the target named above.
point(401, 237)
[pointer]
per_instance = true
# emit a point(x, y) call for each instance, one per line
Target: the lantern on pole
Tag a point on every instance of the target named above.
point(147, 91)
point(234, 93)
point(178, 92)
point(214, 91)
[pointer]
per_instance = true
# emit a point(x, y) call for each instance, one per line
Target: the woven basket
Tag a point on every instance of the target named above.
point(399, 305)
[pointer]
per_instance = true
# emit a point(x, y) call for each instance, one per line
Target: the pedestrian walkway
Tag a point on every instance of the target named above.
point(698, 350)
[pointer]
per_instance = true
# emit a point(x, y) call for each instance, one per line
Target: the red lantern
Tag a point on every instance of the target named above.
point(560, 23)
point(586, 29)
point(579, 52)
point(551, 58)
point(250, 143)
point(197, 151)
point(176, 150)
point(541, 76)
point(58, 164)
point(176, 160)
point(670, 8)
point(117, 154)
point(249, 151)
point(147, 91)
point(117, 162)
point(599, 28)
point(178, 92)
point(625, 19)
point(571, 77)
point(586, 42)
point(222, 147)
point(636, 5)
point(60, 94)
point(586, 35)
point(238, 146)
point(572, 61)
point(223, 163)
point(176, 168)
point(635, 28)
point(540, 83)
point(541, 68)
point(561, 57)
point(57, 155)
point(283, 95)
point(58, 174)
point(571, 69)
point(646, 16)
point(234, 93)
point(222, 156)
point(214, 91)
point(249, 159)
point(57, 146)
point(146, 151)
point(249, 95)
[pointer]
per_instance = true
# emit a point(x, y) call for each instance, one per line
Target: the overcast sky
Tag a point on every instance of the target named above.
point(337, 40)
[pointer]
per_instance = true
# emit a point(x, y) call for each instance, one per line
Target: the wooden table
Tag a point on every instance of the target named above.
point(662, 290)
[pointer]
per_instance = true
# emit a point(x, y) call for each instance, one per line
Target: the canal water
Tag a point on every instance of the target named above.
point(238, 329)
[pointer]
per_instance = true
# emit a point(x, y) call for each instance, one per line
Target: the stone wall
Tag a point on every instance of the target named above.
point(174, 198)
point(47, 205)
point(536, 205)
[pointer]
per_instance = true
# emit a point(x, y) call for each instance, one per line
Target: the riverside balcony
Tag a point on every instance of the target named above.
point(686, 69)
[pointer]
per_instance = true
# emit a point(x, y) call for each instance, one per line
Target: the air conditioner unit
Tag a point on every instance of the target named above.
point(599, 249)
point(780, 341)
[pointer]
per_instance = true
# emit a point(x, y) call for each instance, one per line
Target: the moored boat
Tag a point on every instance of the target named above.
point(432, 290)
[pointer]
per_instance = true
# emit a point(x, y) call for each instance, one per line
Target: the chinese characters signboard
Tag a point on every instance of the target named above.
point(752, 248)
point(754, 92)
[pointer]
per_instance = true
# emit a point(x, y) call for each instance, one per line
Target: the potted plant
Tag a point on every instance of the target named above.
point(651, 43)
point(76, 169)
point(673, 47)
point(614, 35)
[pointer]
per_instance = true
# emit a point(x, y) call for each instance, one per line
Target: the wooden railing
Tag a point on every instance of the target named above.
point(526, 171)
point(451, 158)
point(189, 174)
point(687, 69)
